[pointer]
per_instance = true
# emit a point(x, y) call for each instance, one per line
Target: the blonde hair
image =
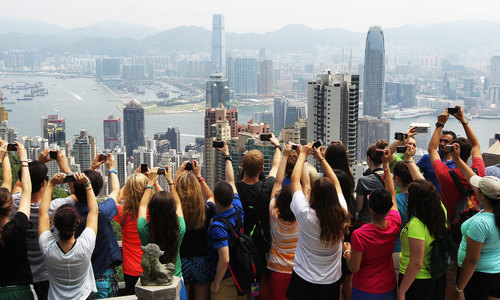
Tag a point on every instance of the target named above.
point(193, 206)
point(313, 173)
point(134, 188)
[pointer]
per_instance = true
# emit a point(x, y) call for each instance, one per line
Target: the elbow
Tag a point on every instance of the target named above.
point(354, 269)
point(471, 261)
point(417, 264)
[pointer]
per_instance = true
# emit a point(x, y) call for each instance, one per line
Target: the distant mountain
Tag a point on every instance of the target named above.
point(24, 26)
point(114, 38)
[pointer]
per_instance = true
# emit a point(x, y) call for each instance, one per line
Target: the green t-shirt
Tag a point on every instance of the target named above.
point(417, 230)
point(143, 230)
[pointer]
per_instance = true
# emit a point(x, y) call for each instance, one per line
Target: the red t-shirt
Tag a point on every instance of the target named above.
point(131, 243)
point(376, 274)
point(449, 191)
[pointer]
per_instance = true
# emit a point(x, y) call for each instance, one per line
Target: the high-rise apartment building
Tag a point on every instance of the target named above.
point(333, 110)
point(143, 155)
point(374, 73)
point(279, 113)
point(112, 132)
point(133, 72)
point(133, 126)
point(217, 91)
point(263, 117)
point(54, 129)
point(120, 155)
point(294, 113)
point(494, 79)
point(84, 149)
point(174, 136)
point(403, 94)
point(245, 77)
point(265, 77)
point(370, 130)
point(218, 44)
point(108, 68)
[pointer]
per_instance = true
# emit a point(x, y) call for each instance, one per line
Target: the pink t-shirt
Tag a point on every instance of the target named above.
point(376, 274)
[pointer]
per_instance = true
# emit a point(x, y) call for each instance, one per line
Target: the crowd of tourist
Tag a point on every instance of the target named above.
point(404, 230)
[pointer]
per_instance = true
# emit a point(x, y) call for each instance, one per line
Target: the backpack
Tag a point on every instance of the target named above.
point(247, 266)
point(467, 206)
point(253, 225)
point(443, 255)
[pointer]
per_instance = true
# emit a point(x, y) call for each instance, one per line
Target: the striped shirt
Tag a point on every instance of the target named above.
point(285, 235)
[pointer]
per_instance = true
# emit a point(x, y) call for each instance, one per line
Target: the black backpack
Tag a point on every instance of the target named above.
point(443, 254)
point(247, 266)
point(467, 206)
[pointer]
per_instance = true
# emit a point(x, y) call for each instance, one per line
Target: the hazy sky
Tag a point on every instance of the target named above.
point(253, 15)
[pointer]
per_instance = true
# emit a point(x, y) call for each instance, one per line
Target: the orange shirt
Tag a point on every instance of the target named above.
point(284, 235)
point(131, 243)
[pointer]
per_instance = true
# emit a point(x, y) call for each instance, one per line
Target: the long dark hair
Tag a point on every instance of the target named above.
point(336, 156)
point(424, 203)
point(283, 200)
point(495, 204)
point(6, 206)
point(333, 219)
point(66, 219)
point(164, 225)
point(347, 190)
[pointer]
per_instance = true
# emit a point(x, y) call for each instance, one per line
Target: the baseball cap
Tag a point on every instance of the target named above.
point(489, 185)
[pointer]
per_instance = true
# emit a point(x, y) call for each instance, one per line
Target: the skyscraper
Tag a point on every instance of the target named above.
point(293, 114)
point(265, 77)
point(217, 91)
point(279, 113)
point(84, 149)
point(374, 75)
point(112, 132)
point(121, 164)
point(218, 44)
point(54, 129)
point(133, 126)
point(174, 136)
point(245, 77)
point(370, 130)
point(333, 110)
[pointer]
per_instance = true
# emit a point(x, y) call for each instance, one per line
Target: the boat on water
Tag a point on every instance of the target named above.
point(25, 99)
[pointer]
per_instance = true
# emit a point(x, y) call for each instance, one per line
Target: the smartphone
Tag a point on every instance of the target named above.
point(452, 110)
point(144, 168)
point(497, 136)
point(422, 129)
point(53, 154)
point(380, 152)
point(295, 146)
point(401, 149)
point(448, 148)
point(318, 144)
point(265, 136)
point(336, 142)
point(161, 171)
point(12, 147)
point(400, 136)
point(69, 178)
point(189, 166)
point(218, 144)
point(103, 157)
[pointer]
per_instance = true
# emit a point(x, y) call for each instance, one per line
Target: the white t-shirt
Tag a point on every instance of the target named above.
point(314, 261)
point(70, 274)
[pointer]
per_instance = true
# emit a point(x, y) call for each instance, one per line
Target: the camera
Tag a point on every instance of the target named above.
point(103, 157)
point(161, 171)
point(452, 110)
point(295, 146)
point(144, 168)
point(218, 144)
point(53, 154)
point(318, 144)
point(401, 149)
point(448, 148)
point(189, 166)
point(497, 136)
point(69, 178)
point(265, 136)
point(12, 147)
point(400, 136)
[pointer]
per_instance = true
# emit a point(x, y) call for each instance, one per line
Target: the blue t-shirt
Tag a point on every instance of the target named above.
point(218, 234)
point(425, 166)
point(402, 201)
point(481, 228)
point(106, 252)
point(493, 171)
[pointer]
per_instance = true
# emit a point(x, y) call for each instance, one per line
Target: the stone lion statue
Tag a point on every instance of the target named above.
point(154, 272)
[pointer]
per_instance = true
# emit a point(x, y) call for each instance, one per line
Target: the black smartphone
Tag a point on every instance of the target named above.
point(12, 147)
point(144, 168)
point(497, 136)
point(103, 157)
point(161, 171)
point(189, 166)
point(53, 154)
point(401, 149)
point(318, 144)
point(295, 146)
point(218, 144)
point(452, 110)
point(448, 148)
point(69, 178)
point(400, 136)
point(265, 136)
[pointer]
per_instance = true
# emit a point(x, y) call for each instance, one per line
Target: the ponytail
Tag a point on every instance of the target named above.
point(495, 203)
point(6, 205)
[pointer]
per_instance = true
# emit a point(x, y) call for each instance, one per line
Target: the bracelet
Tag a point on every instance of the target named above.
point(228, 158)
point(458, 290)
point(149, 187)
point(278, 147)
point(87, 183)
point(464, 123)
point(24, 161)
point(343, 255)
point(170, 182)
point(24, 166)
point(112, 171)
point(201, 179)
point(322, 159)
point(89, 189)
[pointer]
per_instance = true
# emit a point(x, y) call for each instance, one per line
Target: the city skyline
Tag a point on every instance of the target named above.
point(241, 15)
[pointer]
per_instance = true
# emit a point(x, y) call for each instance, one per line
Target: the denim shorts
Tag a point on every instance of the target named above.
point(195, 270)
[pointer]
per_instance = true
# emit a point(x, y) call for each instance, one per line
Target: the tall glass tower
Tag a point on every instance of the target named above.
point(374, 75)
point(133, 126)
point(218, 44)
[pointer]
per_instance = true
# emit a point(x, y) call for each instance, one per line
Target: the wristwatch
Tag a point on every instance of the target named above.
point(278, 146)
point(228, 158)
point(439, 124)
